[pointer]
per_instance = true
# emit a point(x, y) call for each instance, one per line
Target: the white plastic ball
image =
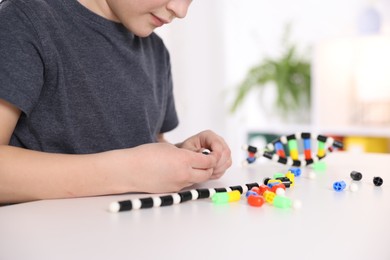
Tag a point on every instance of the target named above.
point(280, 192)
point(114, 207)
point(353, 187)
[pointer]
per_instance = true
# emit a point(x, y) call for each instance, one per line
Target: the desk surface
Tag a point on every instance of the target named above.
point(330, 225)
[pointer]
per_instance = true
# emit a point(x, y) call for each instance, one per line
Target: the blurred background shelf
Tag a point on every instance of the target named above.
point(355, 139)
point(367, 131)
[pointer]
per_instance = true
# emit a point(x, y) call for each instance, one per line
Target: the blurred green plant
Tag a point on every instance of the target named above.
point(290, 74)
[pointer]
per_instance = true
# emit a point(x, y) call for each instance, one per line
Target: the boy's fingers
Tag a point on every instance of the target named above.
point(201, 175)
point(202, 161)
point(223, 165)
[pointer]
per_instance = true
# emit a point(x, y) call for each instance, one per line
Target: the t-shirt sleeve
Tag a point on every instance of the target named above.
point(21, 66)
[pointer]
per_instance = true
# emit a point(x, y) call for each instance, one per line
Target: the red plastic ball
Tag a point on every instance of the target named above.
point(255, 201)
point(256, 189)
point(263, 188)
point(275, 187)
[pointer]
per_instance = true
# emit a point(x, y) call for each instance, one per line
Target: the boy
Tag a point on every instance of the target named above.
point(85, 100)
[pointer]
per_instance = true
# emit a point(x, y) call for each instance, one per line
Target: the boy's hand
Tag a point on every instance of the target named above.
point(216, 144)
point(161, 168)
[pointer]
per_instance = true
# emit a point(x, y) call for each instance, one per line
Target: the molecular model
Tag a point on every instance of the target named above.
point(285, 149)
point(271, 192)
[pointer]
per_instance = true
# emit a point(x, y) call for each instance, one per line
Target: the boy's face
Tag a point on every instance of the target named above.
point(141, 17)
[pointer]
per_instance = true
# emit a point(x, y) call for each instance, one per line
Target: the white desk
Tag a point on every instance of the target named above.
point(330, 225)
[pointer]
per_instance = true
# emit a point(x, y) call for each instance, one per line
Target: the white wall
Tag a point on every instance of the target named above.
point(197, 55)
point(213, 47)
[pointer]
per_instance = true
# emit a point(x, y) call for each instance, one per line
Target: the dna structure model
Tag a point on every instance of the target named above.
point(286, 149)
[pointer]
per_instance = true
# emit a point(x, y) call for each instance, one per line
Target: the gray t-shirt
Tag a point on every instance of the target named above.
point(84, 84)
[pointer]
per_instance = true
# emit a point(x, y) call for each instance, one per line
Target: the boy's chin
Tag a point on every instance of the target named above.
point(143, 33)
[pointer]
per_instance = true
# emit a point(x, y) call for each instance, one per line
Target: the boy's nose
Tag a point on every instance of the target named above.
point(179, 7)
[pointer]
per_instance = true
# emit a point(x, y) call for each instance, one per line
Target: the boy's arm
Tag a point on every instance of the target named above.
point(27, 175)
point(30, 175)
